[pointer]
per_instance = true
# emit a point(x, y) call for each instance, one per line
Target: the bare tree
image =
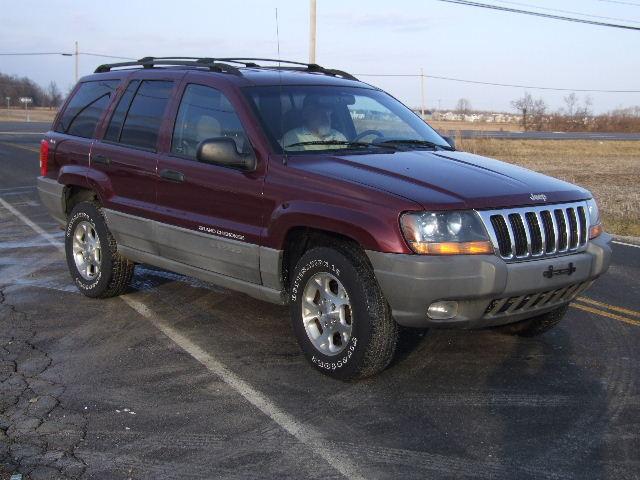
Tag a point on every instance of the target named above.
point(532, 111)
point(54, 96)
point(463, 106)
point(577, 115)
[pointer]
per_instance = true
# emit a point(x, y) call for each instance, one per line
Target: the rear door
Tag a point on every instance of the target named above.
point(212, 215)
point(127, 158)
point(76, 125)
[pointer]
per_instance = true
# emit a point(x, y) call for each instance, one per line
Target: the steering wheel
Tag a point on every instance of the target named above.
point(366, 133)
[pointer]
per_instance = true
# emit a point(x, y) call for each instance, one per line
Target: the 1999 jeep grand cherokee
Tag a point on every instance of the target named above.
point(301, 185)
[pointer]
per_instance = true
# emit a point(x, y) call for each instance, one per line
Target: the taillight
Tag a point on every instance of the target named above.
point(44, 157)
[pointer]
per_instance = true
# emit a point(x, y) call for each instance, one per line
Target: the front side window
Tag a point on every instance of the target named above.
point(142, 116)
point(327, 118)
point(84, 110)
point(205, 113)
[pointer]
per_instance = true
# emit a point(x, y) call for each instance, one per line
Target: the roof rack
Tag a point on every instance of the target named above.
point(222, 64)
point(150, 62)
point(312, 67)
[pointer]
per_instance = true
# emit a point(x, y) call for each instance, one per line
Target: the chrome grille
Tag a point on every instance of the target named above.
point(538, 231)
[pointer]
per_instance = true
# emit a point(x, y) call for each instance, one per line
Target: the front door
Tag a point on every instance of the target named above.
point(212, 215)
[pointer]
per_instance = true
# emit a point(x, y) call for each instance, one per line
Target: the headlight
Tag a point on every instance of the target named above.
point(445, 233)
point(595, 228)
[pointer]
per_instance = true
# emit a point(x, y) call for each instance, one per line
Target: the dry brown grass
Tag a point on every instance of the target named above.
point(444, 126)
point(610, 170)
point(35, 115)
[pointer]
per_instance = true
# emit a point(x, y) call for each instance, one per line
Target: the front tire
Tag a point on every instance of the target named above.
point(339, 315)
point(96, 267)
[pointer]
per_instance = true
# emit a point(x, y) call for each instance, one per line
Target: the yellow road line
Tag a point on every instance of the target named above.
point(22, 147)
point(633, 313)
point(606, 314)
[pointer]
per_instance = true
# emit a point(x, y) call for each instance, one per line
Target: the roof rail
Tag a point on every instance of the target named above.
point(150, 62)
point(222, 64)
point(312, 67)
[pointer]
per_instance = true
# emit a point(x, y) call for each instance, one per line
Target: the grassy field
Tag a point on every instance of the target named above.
point(445, 126)
point(35, 115)
point(610, 170)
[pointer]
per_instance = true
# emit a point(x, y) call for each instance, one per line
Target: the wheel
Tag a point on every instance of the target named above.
point(97, 269)
point(532, 327)
point(339, 315)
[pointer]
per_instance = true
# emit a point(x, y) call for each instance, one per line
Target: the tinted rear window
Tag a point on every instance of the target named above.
point(117, 119)
point(85, 108)
point(143, 120)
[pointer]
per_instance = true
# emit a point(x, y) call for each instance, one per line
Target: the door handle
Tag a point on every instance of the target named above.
point(101, 159)
point(172, 175)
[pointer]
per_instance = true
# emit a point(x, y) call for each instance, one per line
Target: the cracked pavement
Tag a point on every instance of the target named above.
point(38, 432)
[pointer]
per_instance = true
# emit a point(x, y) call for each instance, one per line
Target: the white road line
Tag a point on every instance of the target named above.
point(302, 433)
point(36, 228)
point(16, 189)
point(625, 244)
point(22, 133)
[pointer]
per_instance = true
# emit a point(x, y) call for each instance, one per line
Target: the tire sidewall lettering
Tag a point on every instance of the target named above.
point(341, 362)
point(330, 267)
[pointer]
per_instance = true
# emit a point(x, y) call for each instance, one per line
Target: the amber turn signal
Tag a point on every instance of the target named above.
point(595, 231)
point(453, 248)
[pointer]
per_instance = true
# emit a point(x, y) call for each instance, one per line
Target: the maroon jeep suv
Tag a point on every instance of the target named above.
point(301, 185)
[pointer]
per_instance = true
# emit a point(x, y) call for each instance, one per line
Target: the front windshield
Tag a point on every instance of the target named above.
point(301, 119)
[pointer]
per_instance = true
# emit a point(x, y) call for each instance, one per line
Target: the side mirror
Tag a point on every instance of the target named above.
point(450, 140)
point(223, 151)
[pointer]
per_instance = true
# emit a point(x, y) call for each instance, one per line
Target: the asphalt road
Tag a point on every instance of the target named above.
point(544, 135)
point(39, 127)
point(181, 379)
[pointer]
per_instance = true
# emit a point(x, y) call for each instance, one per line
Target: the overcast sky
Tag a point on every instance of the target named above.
point(373, 36)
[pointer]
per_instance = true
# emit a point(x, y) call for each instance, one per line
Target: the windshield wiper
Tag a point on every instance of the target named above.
point(345, 143)
point(415, 142)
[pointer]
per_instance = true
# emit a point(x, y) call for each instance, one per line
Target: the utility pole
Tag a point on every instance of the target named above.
point(312, 31)
point(422, 92)
point(76, 54)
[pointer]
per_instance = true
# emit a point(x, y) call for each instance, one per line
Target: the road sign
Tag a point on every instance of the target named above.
point(26, 100)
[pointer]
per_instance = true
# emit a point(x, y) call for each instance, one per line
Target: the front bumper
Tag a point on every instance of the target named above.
point(488, 290)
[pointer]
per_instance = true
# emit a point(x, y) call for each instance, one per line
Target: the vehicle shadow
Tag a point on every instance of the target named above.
point(451, 404)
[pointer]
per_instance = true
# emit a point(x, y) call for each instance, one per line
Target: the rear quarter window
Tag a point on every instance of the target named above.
point(84, 110)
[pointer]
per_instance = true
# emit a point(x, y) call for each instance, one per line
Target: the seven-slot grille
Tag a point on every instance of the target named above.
point(537, 231)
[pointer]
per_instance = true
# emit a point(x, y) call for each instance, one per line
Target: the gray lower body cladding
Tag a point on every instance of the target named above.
point(488, 290)
point(52, 197)
point(233, 264)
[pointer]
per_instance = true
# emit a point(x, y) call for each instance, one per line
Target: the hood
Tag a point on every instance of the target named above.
point(445, 180)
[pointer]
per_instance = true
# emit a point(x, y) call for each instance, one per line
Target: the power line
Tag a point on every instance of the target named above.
point(565, 11)
point(494, 84)
point(106, 56)
point(621, 2)
point(468, 3)
point(66, 54)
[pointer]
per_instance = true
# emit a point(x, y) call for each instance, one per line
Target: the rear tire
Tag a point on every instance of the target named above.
point(96, 267)
point(532, 327)
point(341, 320)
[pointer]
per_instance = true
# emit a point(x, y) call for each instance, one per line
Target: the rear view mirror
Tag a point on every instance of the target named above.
point(223, 151)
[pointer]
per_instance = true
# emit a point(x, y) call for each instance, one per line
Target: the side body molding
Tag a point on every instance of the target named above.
point(241, 266)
